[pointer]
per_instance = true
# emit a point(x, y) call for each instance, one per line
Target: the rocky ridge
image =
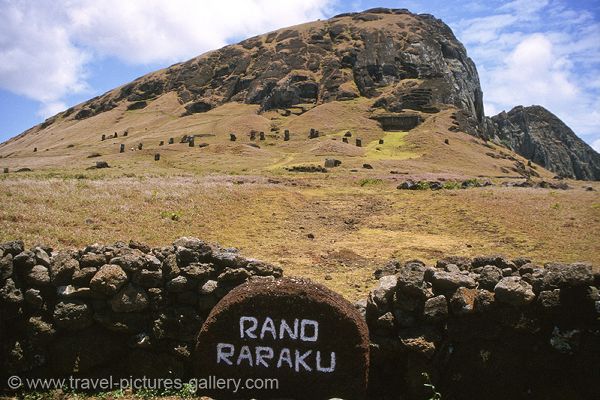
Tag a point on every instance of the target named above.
point(540, 136)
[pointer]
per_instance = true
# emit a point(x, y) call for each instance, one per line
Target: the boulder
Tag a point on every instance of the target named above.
point(180, 284)
point(6, 266)
point(41, 257)
point(108, 280)
point(62, 268)
point(129, 299)
point(34, 298)
point(148, 279)
point(385, 288)
point(72, 315)
point(489, 276)
point(179, 323)
point(13, 248)
point(484, 301)
point(83, 276)
point(436, 309)
point(448, 281)
point(514, 291)
point(10, 295)
point(131, 262)
point(39, 331)
point(208, 287)
point(38, 275)
point(568, 275)
point(411, 282)
point(92, 260)
point(463, 301)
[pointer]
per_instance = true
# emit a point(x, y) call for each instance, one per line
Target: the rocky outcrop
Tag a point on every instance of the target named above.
point(540, 136)
point(399, 59)
point(487, 327)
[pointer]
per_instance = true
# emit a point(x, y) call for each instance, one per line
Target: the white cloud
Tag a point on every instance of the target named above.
point(539, 52)
point(38, 60)
point(532, 73)
point(45, 46)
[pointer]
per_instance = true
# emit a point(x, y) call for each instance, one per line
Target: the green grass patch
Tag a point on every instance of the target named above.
point(394, 147)
point(452, 185)
point(370, 182)
point(172, 215)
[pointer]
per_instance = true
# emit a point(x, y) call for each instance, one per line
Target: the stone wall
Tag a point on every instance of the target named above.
point(120, 310)
point(488, 328)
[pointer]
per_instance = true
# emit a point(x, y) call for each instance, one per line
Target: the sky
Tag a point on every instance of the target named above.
point(58, 53)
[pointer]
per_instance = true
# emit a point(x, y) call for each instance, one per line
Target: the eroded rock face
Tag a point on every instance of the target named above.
point(377, 54)
point(540, 136)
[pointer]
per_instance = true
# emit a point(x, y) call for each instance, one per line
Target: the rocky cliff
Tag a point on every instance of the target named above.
point(540, 136)
point(399, 59)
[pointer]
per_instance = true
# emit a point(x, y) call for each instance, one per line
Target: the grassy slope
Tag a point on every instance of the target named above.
point(242, 196)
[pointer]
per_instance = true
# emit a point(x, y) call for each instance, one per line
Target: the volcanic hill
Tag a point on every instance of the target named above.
point(372, 73)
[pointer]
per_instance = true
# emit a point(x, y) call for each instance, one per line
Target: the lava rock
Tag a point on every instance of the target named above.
point(449, 281)
point(129, 299)
point(108, 280)
point(489, 276)
point(514, 291)
point(72, 315)
point(436, 309)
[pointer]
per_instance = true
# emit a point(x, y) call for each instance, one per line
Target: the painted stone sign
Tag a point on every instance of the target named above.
point(312, 340)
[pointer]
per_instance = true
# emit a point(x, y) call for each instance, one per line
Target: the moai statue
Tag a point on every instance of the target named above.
point(162, 143)
point(140, 146)
point(116, 135)
point(35, 149)
point(122, 148)
point(103, 137)
point(191, 141)
point(330, 163)
point(232, 137)
point(125, 133)
point(380, 141)
point(6, 170)
point(286, 135)
point(252, 135)
point(358, 142)
point(157, 157)
point(448, 142)
point(261, 136)
point(171, 140)
point(311, 135)
point(345, 139)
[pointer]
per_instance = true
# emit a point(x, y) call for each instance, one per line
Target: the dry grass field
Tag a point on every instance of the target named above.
point(243, 196)
point(357, 223)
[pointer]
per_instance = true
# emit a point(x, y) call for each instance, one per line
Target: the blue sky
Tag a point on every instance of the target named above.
point(54, 54)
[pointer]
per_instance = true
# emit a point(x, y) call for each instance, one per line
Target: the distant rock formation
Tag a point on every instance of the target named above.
point(540, 136)
point(399, 59)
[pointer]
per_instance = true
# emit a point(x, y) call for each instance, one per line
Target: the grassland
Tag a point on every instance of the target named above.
point(241, 195)
point(356, 227)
